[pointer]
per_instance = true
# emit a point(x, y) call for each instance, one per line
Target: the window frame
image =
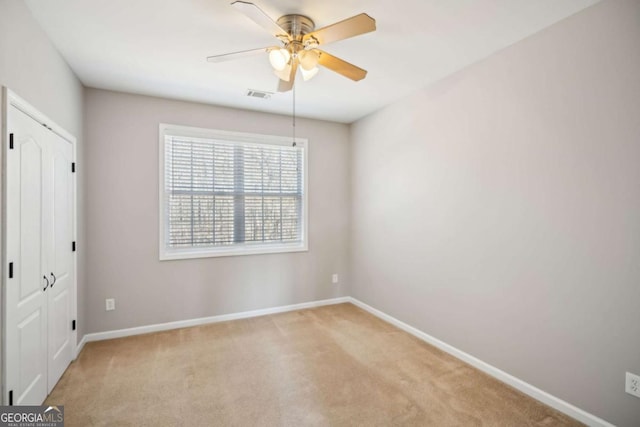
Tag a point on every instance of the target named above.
point(166, 254)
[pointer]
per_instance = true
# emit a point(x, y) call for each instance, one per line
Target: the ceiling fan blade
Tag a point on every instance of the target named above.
point(350, 27)
point(237, 55)
point(286, 86)
point(258, 16)
point(341, 67)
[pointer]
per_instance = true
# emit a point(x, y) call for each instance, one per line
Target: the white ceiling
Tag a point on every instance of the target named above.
point(158, 47)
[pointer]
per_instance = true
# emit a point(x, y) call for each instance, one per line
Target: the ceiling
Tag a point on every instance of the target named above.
point(158, 48)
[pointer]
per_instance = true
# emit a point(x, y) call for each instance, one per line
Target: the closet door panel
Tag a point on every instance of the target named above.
point(32, 380)
point(31, 199)
point(62, 262)
point(26, 303)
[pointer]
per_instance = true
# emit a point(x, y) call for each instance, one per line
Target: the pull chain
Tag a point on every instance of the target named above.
point(294, 115)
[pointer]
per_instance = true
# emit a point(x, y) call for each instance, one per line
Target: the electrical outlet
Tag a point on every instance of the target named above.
point(334, 278)
point(632, 384)
point(110, 304)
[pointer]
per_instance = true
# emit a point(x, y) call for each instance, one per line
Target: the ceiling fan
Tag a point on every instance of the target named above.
point(299, 44)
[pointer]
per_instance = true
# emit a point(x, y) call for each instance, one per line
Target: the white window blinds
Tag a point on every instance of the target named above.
point(222, 194)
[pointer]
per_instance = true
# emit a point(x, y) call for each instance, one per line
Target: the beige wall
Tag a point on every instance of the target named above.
point(32, 67)
point(499, 211)
point(122, 166)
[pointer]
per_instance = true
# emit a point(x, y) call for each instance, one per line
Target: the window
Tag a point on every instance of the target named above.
point(226, 193)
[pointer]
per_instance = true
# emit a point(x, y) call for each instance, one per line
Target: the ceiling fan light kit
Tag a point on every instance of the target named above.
point(299, 44)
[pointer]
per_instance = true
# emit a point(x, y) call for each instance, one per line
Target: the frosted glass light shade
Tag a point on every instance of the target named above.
point(285, 73)
point(308, 74)
point(279, 58)
point(309, 59)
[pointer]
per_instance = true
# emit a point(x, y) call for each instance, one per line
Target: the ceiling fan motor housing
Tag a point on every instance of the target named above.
point(296, 25)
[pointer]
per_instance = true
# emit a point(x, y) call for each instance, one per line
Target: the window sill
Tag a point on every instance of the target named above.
point(169, 255)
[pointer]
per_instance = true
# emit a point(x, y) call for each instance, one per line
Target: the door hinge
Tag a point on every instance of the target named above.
point(73, 246)
point(10, 397)
point(10, 270)
point(73, 167)
point(10, 141)
point(73, 325)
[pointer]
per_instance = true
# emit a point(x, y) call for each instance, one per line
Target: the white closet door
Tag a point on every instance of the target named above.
point(61, 264)
point(40, 287)
point(26, 295)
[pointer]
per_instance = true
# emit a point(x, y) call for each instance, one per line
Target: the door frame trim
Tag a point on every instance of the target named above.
point(9, 98)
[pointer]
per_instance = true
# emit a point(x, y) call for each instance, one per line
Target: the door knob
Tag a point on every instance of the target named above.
point(53, 276)
point(46, 280)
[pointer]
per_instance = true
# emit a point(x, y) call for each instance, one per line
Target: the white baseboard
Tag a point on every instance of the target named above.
point(99, 336)
point(80, 346)
point(526, 388)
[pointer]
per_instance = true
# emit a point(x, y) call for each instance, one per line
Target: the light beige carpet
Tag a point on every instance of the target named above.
point(334, 365)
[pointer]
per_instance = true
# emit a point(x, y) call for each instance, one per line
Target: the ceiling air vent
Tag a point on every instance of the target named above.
point(259, 94)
